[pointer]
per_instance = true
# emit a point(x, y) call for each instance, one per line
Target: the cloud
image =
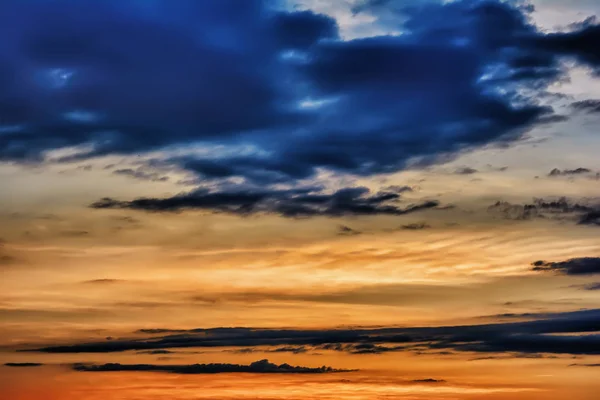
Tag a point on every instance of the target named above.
point(561, 208)
point(23, 365)
point(201, 71)
point(429, 380)
point(585, 365)
point(361, 348)
point(466, 171)
point(74, 233)
point(592, 286)
point(159, 331)
point(577, 171)
point(591, 218)
point(287, 203)
point(416, 226)
point(158, 351)
point(283, 349)
point(141, 175)
point(344, 230)
point(578, 44)
point(257, 367)
point(127, 77)
point(574, 266)
point(587, 286)
point(559, 333)
point(103, 281)
point(511, 211)
point(522, 316)
point(589, 106)
point(289, 349)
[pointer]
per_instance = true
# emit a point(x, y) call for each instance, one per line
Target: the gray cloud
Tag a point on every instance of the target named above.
point(589, 106)
point(416, 226)
point(344, 230)
point(561, 208)
point(141, 175)
point(569, 172)
point(466, 171)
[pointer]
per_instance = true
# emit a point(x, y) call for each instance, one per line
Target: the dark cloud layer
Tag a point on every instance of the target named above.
point(126, 77)
point(288, 203)
point(574, 266)
point(557, 334)
point(258, 367)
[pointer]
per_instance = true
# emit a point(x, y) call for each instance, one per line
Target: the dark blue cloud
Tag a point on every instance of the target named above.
point(128, 77)
point(580, 44)
point(559, 333)
point(288, 203)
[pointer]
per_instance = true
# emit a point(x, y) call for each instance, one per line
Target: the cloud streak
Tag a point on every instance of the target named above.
point(287, 203)
point(530, 337)
point(23, 365)
point(257, 367)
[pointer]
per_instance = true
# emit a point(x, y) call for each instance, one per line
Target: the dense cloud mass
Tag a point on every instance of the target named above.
point(555, 334)
point(125, 77)
point(288, 203)
point(257, 367)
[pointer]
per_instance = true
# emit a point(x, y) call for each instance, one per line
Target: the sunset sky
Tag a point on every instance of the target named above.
point(385, 199)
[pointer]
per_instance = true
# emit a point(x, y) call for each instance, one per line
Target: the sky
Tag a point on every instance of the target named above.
point(303, 199)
